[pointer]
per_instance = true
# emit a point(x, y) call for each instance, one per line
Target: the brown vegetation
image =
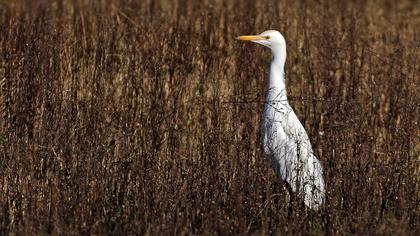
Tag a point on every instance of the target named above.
point(143, 116)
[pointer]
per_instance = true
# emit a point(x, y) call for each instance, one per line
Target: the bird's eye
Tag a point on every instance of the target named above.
point(267, 37)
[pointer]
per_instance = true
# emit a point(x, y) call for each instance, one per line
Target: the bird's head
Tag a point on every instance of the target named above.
point(270, 38)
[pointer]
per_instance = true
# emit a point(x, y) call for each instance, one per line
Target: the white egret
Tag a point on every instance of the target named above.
point(285, 141)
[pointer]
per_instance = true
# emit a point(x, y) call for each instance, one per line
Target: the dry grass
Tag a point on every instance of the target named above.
point(143, 116)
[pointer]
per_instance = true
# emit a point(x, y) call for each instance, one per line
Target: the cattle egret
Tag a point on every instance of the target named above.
point(285, 141)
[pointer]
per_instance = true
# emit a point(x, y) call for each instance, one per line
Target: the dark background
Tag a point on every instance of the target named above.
point(142, 117)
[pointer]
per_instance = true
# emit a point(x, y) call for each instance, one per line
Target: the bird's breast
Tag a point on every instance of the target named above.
point(273, 121)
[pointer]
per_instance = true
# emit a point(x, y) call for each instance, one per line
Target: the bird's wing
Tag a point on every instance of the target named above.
point(292, 157)
point(310, 177)
point(295, 130)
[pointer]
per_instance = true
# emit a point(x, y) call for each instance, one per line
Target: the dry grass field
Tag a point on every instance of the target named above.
point(143, 117)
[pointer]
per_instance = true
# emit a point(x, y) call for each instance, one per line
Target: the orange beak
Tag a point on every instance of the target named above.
point(250, 37)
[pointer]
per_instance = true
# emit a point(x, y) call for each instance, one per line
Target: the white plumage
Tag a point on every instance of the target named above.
point(285, 141)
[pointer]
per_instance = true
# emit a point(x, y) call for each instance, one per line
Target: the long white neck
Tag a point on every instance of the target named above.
point(276, 82)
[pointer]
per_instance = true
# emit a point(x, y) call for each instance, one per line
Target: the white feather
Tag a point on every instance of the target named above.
point(285, 141)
